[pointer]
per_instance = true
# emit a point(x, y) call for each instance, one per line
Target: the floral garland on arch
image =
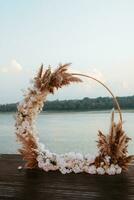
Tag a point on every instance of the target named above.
point(112, 155)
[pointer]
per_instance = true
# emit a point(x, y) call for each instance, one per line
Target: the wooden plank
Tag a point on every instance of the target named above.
point(35, 184)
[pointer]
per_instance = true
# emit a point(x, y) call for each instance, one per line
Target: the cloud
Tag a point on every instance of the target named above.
point(13, 67)
point(125, 85)
point(95, 73)
point(4, 70)
point(89, 87)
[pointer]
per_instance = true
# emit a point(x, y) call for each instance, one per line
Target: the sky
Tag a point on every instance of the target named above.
point(97, 37)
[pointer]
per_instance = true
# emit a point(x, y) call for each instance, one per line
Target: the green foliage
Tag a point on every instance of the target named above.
point(100, 103)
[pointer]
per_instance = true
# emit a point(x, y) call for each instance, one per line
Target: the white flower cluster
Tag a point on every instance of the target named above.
point(28, 110)
point(74, 162)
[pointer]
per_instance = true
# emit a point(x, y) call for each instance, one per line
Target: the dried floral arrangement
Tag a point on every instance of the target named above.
point(112, 157)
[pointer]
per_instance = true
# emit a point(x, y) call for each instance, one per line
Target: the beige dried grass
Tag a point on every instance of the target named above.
point(115, 145)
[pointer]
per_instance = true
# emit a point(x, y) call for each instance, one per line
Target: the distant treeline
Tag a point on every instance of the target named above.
point(100, 103)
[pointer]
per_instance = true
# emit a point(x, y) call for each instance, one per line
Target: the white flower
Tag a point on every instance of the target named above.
point(100, 170)
point(79, 156)
point(41, 147)
point(39, 158)
point(47, 161)
point(45, 168)
point(107, 158)
point(76, 169)
point(40, 161)
point(92, 169)
point(118, 169)
point(20, 130)
point(48, 154)
point(90, 158)
point(81, 164)
point(71, 156)
point(25, 124)
point(85, 169)
point(53, 168)
point(111, 170)
point(64, 171)
point(70, 164)
point(61, 162)
point(68, 170)
point(40, 164)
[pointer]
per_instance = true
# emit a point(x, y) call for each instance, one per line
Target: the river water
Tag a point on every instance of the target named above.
point(66, 131)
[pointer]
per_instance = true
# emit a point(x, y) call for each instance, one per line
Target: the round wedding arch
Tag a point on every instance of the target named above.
point(112, 157)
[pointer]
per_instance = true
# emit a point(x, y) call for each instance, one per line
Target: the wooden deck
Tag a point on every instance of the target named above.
point(37, 185)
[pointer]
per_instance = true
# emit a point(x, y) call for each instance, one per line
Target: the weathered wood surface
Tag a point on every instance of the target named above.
point(35, 184)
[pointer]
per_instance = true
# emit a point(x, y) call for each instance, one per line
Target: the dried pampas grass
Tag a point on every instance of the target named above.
point(114, 145)
point(48, 80)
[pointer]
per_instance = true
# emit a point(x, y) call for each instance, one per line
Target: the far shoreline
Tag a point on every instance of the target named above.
point(80, 105)
point(76, 111)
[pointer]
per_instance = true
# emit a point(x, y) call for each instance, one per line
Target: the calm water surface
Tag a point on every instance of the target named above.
point(65, 131)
